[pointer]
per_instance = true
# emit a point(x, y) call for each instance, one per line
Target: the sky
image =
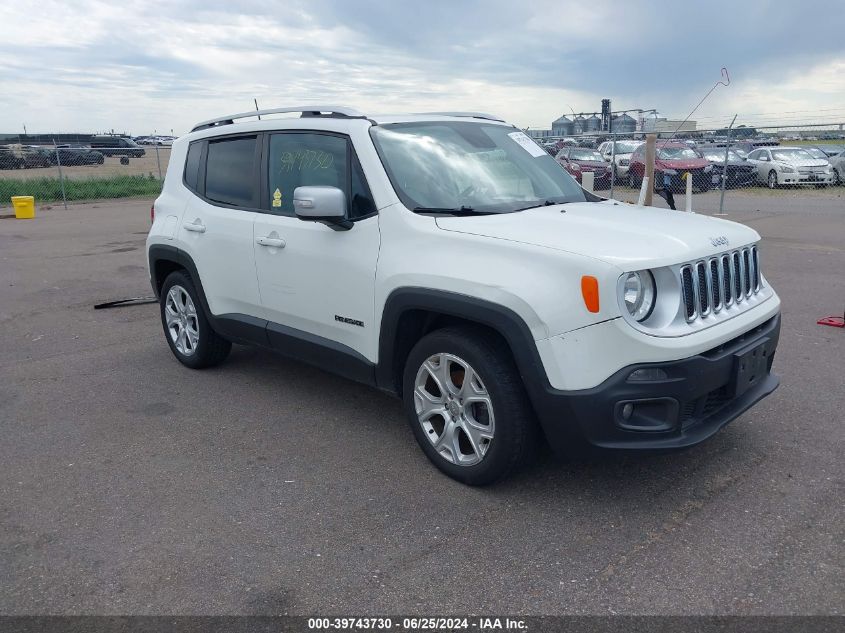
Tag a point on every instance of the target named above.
point(88, 65)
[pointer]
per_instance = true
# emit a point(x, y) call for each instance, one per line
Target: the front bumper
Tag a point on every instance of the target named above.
point(700, 395)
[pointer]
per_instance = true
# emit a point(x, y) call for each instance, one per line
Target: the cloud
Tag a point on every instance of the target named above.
point(94, 65)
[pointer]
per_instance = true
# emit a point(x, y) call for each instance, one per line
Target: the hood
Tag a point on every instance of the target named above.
point(627, 236)
point(802, 162)
point(591, 164)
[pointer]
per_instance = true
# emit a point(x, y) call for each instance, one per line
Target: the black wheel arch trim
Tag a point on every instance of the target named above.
point(507, 323)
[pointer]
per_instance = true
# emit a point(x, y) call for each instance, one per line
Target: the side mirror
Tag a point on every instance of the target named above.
point(321, 204)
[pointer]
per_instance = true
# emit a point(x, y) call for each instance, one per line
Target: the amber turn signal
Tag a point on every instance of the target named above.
point(590, 292)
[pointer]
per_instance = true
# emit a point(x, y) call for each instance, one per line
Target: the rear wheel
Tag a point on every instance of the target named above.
point(773, 179)
point(186, 326)
point(467, 406)
point(837, 179)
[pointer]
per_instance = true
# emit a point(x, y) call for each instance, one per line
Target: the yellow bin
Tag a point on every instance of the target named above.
point(24, 207)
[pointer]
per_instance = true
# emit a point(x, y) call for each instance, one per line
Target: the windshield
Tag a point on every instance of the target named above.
point(470, 167)
point(718, 155)
point(626, 147)
point(585, 154)
point(815, 152)
point(790, 155)
point(676, 153)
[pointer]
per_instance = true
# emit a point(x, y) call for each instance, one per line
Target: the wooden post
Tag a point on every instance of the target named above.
point(650, 142)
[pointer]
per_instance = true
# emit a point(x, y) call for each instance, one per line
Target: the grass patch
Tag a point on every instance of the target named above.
point(50, 189)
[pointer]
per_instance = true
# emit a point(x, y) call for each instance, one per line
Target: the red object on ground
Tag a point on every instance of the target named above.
point(832, 321)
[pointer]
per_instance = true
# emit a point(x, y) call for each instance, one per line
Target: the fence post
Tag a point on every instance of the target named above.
point(61, 178)
point(689, 192)
point(612, 164)
point(650, 147)
point(725, 168)
point(158, 162)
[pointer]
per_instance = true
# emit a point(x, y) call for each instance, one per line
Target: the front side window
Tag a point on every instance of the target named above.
point(230, 175)
point(311, 159)
point(470, 167)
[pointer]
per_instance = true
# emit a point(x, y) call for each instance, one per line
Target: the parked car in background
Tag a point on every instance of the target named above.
point(109, 145)
point(777, 166)
point(9, 159)
point(830, 149)
point(837, 165)
point(577, 160)
point(73, 156)
point(678, 160)
point(737, 171)
point(622, 156)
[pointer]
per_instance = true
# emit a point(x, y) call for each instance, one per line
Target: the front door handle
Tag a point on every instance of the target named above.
point(273, 242)
point(197, 226)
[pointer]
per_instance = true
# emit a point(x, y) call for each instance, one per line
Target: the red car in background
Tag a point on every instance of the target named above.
point(577, 160)
point(677, 159)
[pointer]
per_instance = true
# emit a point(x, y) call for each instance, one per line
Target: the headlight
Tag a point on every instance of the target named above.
point(575, 167)
point(638, 293)
point(787, 170)
point(624, 162)
point(708, 169)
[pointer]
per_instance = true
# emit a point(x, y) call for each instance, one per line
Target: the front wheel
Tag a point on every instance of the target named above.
point(467, 406)
point(773, 180)
point(837, 179)
point(186, 326)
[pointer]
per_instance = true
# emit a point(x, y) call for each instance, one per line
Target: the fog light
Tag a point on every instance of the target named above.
point(647, 374)
point(627, 411)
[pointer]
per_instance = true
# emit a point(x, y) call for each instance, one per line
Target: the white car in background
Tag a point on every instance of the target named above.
point(789, 166)
point(622, 158)
point(837, 164)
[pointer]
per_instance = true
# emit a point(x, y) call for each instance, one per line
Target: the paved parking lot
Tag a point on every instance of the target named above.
point(129, 484)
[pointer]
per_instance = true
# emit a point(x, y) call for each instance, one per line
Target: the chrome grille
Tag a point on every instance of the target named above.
point(716, 283)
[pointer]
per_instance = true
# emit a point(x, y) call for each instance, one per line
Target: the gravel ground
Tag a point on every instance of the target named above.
point(131, 485)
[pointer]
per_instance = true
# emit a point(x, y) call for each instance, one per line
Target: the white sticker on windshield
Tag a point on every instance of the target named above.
point(528, 144)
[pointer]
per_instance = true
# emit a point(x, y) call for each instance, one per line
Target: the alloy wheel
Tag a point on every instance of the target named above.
point(182, 323)
point(454, 409)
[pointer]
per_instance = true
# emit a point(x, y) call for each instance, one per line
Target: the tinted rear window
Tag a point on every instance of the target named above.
point(230, 174)
point(192, 165)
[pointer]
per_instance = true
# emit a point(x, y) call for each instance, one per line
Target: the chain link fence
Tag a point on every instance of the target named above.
point(724, 169)
point(717, 170)
point(66, 174)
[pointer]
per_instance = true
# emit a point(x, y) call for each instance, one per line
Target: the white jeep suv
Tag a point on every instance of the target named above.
point(449, 260)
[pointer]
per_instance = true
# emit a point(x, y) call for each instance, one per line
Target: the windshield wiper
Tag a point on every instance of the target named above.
point(462, 210)
point(545, 203)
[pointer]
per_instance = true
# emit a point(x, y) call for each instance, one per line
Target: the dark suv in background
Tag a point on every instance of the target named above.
point(109, 145)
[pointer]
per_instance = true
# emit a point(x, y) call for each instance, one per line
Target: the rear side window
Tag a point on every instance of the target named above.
point(230, 174)
point(192, 166)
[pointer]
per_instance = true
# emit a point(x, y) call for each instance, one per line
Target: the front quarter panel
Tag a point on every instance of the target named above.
point(541, 285)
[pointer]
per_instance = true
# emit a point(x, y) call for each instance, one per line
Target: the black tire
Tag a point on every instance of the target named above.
point(837, 179)
point(211, 348)
point(124, 160)
point(632, 181)
point(516, 433)
point(772, 180)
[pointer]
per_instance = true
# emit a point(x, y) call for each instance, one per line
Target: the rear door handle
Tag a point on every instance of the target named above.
point(196, 227)
point(273, 242)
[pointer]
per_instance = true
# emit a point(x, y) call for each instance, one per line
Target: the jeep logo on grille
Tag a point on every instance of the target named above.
point(721, 240)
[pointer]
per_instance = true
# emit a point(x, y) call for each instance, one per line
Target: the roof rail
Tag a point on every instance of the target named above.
point(308, 110)
point(471, 115)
